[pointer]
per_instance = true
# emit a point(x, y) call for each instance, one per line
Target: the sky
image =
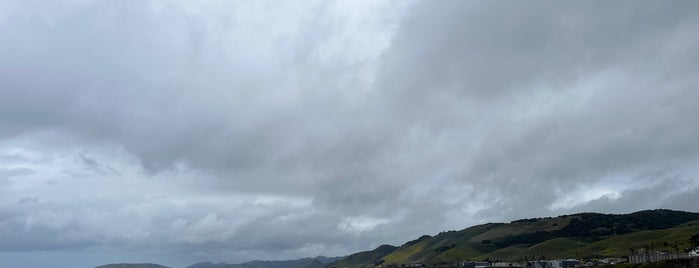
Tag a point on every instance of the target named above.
point(177, 132)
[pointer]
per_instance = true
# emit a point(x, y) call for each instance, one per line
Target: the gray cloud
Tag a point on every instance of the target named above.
point(555, 97)
point(226, 132)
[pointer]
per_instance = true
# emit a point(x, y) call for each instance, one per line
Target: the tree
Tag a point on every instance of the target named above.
point(694, 240)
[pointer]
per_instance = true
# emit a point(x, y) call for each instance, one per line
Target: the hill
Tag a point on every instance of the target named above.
point(366, 257)
point(132, 265)
point(317, 262)
point(578, 235)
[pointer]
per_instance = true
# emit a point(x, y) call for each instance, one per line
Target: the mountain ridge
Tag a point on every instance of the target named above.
point(579, 235)
point(560, 236)
point(315, 262)
point(132, 265)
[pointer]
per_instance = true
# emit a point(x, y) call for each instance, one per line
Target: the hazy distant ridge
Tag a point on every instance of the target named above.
point(317, 262)
point(132, 265)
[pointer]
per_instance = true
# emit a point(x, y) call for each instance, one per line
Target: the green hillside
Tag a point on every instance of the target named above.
point(570, 236)
point(366, 257)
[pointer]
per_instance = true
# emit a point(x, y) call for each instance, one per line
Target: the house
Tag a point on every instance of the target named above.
point(554, 264)
point(505, 264)
point(613, 260)
point(474, 264)
point(694, 252)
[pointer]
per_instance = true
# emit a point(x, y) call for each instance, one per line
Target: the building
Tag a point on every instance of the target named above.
point(505, 264)
point(474, 264)
point(613, 260)
point(693, 253)
point(554, 263)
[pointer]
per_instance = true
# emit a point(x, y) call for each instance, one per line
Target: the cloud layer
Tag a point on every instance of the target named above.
point(177, 132)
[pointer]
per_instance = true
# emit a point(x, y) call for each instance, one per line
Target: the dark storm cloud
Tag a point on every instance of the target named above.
point(256, 130)
point(484, 49)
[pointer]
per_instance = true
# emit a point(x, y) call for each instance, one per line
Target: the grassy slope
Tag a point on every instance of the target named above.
point(576, 236)
point(550, 237)
point(404, 254)
point(614, 246)
point(365, 257)
point(553, 248)
point(519, 228)
point(468, 243)
point(619, 245)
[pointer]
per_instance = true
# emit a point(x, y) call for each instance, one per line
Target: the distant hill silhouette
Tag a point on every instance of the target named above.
point(317, 262)
point(132, 265)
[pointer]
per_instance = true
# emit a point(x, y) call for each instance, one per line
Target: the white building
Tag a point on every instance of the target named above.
point(694, 252)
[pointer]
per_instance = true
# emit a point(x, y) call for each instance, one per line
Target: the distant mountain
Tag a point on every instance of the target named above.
point(132, 265)
point(317, 262)
point(208, 265)
point(324, 259)
point(574, 236)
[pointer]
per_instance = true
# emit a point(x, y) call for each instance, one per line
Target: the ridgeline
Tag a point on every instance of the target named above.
point(578, 236)
point(584, 235)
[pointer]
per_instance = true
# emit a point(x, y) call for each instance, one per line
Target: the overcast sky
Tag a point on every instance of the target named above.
point(184, 131)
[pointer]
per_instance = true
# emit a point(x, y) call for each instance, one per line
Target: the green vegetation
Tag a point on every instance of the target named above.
point(372, 257)
point(672, 239)
point(695, 240)
point(573, 236)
